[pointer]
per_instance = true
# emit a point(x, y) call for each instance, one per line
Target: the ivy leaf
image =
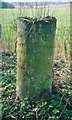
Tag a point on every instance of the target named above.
point(55, 111)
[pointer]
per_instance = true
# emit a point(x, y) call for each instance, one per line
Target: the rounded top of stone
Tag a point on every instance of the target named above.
point(34, 20)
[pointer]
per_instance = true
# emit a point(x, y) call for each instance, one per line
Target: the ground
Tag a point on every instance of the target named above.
point(59, 105)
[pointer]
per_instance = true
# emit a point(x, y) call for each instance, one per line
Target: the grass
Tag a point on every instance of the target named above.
point(62, 33)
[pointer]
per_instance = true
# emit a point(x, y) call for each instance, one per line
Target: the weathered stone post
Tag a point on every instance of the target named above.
point(35, 51)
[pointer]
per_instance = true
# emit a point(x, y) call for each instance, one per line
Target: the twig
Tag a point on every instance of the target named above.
point(12, 116)
point(63, 110)
point(63, 95)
